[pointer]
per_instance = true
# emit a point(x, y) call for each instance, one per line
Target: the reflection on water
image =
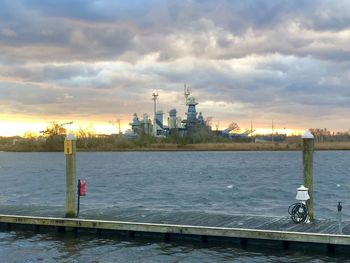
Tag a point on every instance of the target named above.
point(26, 247)
point(225, 182)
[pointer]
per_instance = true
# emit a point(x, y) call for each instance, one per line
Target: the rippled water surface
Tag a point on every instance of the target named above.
point(260, 183)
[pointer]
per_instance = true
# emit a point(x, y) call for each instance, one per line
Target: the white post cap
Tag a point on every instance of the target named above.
point(307, 135)
point(71, 137)
point(302, 188)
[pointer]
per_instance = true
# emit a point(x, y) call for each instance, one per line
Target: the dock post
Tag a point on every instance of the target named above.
point(308, 159)
point(70, 151)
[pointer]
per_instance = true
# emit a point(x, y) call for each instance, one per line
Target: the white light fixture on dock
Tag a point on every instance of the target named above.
point(302, 194)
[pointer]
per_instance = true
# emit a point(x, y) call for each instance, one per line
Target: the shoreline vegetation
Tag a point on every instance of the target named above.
point(52, 140)
point(119, 144)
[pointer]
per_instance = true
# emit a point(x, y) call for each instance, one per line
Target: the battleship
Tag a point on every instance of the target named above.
point(175, 124)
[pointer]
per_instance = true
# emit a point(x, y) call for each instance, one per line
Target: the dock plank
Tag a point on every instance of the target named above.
point(180, 229)
point(197, 223)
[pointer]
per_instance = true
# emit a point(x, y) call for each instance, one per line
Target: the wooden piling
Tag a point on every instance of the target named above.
point(308, 159)
point(167, 237)
point(285, 245)
point(70, 152)
point(243, 242)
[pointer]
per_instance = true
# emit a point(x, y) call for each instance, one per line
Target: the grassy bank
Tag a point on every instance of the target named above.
point(237, 146)
point(225, 146)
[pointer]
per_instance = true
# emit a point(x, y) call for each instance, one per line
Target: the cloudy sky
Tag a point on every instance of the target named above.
point(98, 61)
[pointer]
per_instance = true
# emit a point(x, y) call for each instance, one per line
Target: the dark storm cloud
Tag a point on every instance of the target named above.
point(90, 30)
point(26, 94)
point(101, 10)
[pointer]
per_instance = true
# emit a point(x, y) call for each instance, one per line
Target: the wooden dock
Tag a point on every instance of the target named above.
point(203, 225)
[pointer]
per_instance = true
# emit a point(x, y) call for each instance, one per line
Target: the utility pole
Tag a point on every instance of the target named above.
point(217, 126)
point(272, 139)
point(251, 131)
point(118, 120)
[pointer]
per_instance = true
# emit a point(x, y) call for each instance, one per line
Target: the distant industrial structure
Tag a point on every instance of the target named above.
point(158, 128)
point(192, 124)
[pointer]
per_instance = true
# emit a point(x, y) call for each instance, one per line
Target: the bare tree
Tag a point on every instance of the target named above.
point(30, 135)
point(85, 135)
point(55, 129)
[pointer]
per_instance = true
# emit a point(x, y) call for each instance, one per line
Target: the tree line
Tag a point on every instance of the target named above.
point(52, 139)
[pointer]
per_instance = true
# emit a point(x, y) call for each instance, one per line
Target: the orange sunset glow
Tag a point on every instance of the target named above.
point(18, 127)
point(21, 127)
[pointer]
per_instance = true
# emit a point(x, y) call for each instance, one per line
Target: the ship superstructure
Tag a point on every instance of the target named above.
point(175, 123)
point(194, 124)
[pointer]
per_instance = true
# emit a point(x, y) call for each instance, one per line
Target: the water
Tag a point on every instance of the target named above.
point(262, 183)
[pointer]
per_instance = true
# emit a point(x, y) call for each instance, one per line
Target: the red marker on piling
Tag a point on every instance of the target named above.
point(81, 192)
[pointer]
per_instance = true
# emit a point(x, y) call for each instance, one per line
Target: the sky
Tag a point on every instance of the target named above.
point(94, 62)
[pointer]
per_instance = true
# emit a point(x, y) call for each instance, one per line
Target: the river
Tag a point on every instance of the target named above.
point(261, 183)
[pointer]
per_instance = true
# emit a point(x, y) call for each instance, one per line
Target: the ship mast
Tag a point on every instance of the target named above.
point(155, 97)
point(186, 93)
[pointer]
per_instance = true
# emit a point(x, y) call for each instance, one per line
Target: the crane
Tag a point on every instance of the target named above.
point(232, 127)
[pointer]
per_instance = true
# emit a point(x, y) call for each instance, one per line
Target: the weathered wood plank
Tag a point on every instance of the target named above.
point(272, 222)
point(180, 229)
point(221, 220)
